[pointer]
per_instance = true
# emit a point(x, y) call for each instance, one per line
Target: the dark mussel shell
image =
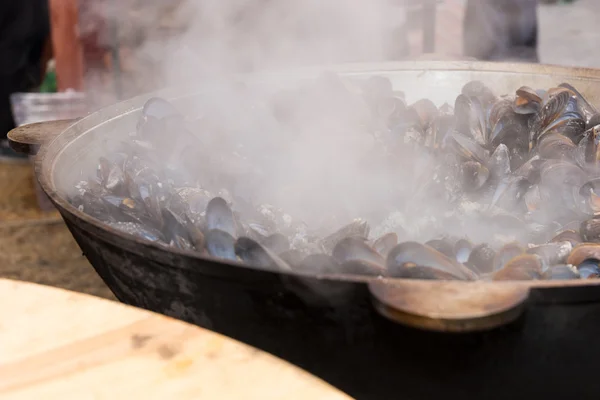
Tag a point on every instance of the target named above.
point(584, 107)
point(411, 258)
point(362, 267)
point(559, 185)
point(509, 194)
point(561, 272)
point(444, 246)
point(499, 163)
point(356, 248)
point(220, 244)
point(590, 195)
point(462, 249)
point(588, 150)
point(471, 118)
point(473, 175)
point(253, 253)
point(138, 230)
point(505, 254)
point(358, 227)
point(556, 146)
point(181, 231)
point(422, 114)
point(468, 148)
point(559, 111)
point(568, 235)
point(584, 252)
point(593, 121)
point(115, 181)
point(590, 230)
point(159, 108)
point(520, 268)
point(589, 269)
point(277, 242)
point(481, 259)
point(385, 243)
point(479, 90)
point(125, 209)
point(219, 216)
point(552, 253)
point(531, 169)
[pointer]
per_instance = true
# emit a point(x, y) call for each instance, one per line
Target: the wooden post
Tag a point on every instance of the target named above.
point(68, 53)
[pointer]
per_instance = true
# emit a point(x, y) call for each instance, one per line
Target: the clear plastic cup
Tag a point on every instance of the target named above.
point(29, 108)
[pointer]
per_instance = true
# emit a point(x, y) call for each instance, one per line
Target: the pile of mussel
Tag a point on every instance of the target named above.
point(524, 166)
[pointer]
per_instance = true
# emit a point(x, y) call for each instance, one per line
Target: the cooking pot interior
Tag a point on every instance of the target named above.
point(73, 155)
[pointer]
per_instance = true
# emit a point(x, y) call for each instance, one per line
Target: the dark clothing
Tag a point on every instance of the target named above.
point(24, 29)
point(501, 30)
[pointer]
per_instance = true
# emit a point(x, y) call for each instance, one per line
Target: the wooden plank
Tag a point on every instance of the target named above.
point(66, 345)
point(67, 48)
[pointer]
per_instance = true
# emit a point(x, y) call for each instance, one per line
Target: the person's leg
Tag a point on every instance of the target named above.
point(501, 30)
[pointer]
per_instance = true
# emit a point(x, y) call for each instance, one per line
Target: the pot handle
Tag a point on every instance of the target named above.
point(450, 306)
point(27, 139)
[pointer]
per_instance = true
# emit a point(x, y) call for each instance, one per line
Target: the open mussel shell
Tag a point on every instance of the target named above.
point(412, 258)
point(527, 101)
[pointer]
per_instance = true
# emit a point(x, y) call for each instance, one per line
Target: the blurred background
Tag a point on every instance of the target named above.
point(90, 53)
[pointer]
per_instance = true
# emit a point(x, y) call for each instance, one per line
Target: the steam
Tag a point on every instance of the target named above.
point(328, 169)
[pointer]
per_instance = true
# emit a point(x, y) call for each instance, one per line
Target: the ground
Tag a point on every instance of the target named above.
point(36, 246)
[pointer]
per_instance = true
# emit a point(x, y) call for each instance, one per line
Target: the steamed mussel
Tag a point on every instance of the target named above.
point(487, 187)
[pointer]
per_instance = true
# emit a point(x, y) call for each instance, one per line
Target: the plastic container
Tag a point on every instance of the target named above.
point(29, 108)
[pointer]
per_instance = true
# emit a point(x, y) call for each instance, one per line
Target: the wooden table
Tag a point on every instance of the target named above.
point(57, 344)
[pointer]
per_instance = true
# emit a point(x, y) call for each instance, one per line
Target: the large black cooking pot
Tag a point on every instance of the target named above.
point(373, 338)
